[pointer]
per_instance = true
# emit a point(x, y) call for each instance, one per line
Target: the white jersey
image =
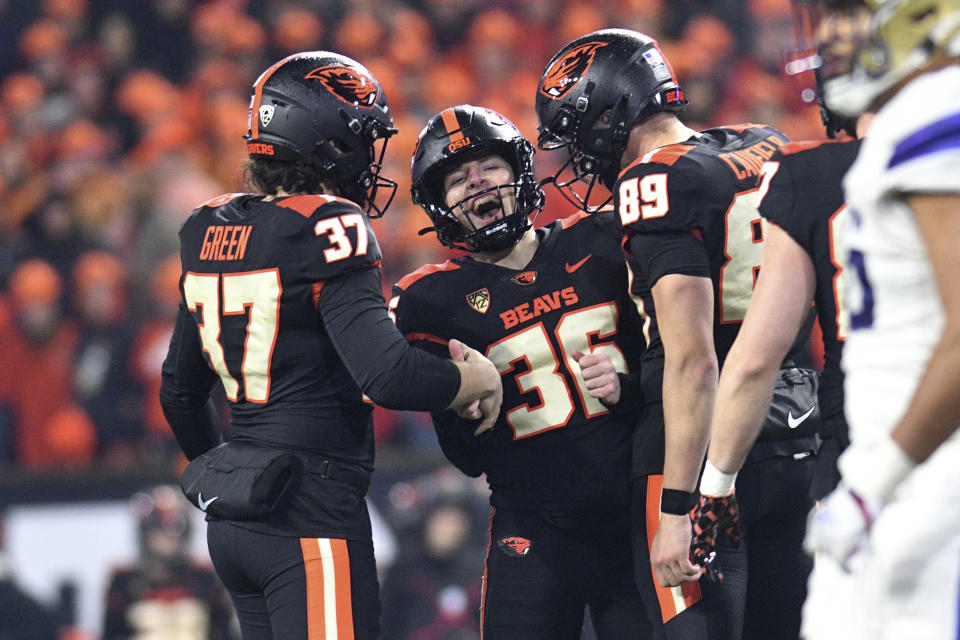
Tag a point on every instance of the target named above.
point(906, 580)
point(896, 313)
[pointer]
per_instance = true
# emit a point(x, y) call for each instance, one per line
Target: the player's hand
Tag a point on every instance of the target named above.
point(871, 471)
point(670, 554)
point(715, 517)
point(598, 374)
point(470, 411)
point(490, 395)
point(840, 525)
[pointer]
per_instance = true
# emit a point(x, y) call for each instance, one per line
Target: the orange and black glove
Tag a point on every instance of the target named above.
point(715, 517)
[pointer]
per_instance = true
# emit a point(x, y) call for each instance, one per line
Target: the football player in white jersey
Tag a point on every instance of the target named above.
point(894, 523)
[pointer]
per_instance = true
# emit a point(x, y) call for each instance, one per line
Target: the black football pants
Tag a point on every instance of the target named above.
point(297, 588)
point(540, 574)
point(765, 580)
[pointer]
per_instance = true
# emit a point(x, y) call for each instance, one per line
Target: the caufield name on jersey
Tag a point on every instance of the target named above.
point(748, 162)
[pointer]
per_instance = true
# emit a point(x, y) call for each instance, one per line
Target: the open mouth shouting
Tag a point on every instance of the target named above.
point(485, 209)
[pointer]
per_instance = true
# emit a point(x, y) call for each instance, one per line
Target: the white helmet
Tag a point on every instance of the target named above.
point(904, 36)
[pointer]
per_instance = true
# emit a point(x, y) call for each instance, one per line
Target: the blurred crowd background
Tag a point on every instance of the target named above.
point(118, 117)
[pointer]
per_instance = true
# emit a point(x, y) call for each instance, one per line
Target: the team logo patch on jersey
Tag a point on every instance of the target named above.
point(527, 277)
point(479, 300)
point(565, 73)
point(266, 114)
point(348, 84)
point(514, 546)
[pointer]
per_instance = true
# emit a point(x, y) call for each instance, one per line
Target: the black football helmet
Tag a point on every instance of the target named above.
point(463, 133)
point(327, 110)
point(616, 69)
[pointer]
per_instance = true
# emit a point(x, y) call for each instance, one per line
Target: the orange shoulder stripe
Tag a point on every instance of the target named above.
point(803, 145)
point(306, 205)
point(664, 155)
point(416, 336)
point(424, 271)
point(566, 223)
point(219, 201)
point(740, 128)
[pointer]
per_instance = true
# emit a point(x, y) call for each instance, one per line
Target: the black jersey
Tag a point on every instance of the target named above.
point(805, 198)
point(691, 208)
point(282, 301)
point(554, 446)
point(701, 193)
point(250, 281)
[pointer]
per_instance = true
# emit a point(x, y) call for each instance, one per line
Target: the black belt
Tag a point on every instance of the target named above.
point(336, 471)
point(761, 451)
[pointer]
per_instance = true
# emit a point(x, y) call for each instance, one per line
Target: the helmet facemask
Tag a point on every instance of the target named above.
point(592, 93)
point(325, 109)
point(478, 133)
point(357, 172)
point(498, 234)
point(578, 176)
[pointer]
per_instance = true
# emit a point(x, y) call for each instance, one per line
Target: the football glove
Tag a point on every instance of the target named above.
point(715, 517)
point(840, 525)
point(871, 472)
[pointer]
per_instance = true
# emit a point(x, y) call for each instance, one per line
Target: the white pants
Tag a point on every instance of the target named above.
point(905, 584)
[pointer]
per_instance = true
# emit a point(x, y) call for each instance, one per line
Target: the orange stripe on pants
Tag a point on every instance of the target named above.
point(484, 579)
point(329, 605)
point(673, 600)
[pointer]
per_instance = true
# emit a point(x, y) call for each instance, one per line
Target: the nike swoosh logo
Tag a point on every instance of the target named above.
point(793, 423)
point(573, 267)
point(204, 503)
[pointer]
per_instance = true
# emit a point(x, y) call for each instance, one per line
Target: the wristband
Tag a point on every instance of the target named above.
point(716, 483)
point(677, 502)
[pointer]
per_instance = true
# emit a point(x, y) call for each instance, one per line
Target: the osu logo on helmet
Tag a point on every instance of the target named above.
point(566, 72)
point(348, 84)
point(514, 545)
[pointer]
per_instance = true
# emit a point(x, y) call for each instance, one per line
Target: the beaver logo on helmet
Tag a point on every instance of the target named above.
point(350, 85)
point(565, 73)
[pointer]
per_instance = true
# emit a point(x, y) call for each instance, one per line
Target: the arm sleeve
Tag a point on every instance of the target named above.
point(663, 253)
point(390, 371)
point(185, 390)
point(454, 434)
point(628, 408)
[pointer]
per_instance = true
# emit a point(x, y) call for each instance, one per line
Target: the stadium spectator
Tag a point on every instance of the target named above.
point(164, 593)
point(36, 372)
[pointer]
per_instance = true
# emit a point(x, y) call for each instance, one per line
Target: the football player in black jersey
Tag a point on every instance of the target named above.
point(803, 204)
point(550, 307)
point(282, 303)
point(687, 201)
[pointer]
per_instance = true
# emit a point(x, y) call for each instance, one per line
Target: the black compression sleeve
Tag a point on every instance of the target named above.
point(667, 252)
point(185, 390)
point(391, 372)
point(628, 407)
